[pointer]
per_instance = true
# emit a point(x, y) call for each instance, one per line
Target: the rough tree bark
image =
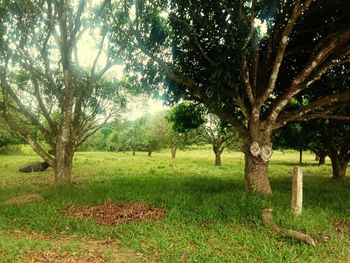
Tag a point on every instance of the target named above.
point(256, 174)
point(257, 156)
point(64, 163)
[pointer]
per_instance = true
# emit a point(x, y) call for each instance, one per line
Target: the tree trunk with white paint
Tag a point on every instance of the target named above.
point(257, 156)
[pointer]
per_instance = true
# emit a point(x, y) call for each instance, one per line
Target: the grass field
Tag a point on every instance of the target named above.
point(209, 216)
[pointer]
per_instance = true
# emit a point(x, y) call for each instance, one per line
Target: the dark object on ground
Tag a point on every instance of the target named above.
point(34, 167)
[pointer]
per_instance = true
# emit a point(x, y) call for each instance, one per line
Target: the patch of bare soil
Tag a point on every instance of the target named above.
point(111, 213)
point(342, 226)
point(57, 256)
point(22, 199)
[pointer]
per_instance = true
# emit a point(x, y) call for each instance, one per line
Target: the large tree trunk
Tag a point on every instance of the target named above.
point(257, 155)
point(133, 151)
point(64, 163)
point(173, 152)
point(256, 177)
point(339, 164)
point(338, 167)
point(149, 151)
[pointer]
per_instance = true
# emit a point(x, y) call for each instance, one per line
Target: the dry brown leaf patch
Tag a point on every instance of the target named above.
point(111, 213)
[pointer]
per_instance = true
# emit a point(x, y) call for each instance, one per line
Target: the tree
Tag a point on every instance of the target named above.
point(135, 134)
point(219, 135)
point(336, 136)
point(314, 140)
point(40, 72)
point(244, 59)
point(189, 117)
point(154, 133)
point(175, 140)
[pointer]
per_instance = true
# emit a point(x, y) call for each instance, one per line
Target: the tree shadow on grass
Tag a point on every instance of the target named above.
point(293, 164)
point(320, 193)
point(192, 200)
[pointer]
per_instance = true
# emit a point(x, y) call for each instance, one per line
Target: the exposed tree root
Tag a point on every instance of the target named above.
point(268, 221)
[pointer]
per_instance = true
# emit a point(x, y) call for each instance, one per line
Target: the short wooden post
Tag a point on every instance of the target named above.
point(297, 191)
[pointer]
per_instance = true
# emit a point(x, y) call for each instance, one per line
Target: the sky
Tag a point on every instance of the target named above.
point(137, 107)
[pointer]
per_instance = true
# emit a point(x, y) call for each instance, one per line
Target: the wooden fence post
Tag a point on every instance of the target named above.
point(297, 191)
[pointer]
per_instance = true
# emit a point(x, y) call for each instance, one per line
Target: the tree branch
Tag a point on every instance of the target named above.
point(298, 10)
point(195, 37)
point(315, 61)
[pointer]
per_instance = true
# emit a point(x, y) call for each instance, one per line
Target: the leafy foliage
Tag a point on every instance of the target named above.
point(186, 116)
point(45, 86)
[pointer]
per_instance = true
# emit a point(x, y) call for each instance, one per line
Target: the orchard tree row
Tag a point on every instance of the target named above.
point(176, 129)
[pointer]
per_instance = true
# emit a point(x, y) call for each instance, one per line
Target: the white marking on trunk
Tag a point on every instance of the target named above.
point(284, 39)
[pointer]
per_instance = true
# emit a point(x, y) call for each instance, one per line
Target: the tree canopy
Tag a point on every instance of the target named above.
point(45, 86)
point(245, 60)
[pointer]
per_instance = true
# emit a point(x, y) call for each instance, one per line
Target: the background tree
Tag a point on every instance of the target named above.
point(135, 134)
point(336, 136)
point(220, 135)
point(302, 136)
point(189, 117)
point(244, 59)
point(40, 69)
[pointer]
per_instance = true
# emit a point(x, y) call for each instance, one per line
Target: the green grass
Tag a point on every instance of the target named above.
point(209, 216)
